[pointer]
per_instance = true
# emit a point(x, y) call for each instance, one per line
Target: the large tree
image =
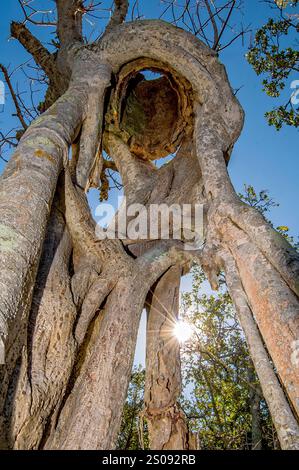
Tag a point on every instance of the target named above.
point(70, 297)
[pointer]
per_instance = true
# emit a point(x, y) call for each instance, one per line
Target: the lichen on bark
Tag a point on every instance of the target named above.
point(71, 303)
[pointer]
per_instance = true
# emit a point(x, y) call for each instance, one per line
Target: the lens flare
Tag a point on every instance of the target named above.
point(183, 331)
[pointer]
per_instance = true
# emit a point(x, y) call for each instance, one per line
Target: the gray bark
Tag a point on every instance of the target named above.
point(285, 423)
point(166, 421)
point(91, 326)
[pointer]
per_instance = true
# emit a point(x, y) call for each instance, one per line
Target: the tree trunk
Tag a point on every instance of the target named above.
point(166, 421)
point(69, 353)
point(285, 423)
point(267, 266)
point(29, 184)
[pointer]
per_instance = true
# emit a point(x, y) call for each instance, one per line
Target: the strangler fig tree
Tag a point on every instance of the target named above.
point(71, 300)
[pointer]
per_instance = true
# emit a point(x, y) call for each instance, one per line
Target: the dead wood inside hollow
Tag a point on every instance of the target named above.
point(151, 115)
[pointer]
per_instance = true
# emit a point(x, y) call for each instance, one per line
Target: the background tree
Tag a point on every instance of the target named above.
point(129, 435)
point(275, 56)
point(70, 298)
point(225, 403)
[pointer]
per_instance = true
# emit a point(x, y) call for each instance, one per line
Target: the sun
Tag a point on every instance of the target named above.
point(183, 331)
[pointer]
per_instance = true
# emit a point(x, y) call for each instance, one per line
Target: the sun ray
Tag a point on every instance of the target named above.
point(183, 331)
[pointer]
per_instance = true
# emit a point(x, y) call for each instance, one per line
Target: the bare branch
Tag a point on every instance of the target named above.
point(240, 34)
point(204, 19)
point(40, 54)
point(29, 17)
point(225, 23)
point(14, 96)
point(7, 140)
point(214, 24)
point(136, 15)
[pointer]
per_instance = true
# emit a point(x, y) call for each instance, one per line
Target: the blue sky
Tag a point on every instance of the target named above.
point(262, 157)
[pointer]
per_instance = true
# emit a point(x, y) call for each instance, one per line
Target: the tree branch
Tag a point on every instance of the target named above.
point(225, 24)
point(14, 96)
point(33, 12)
point(215, 28)
point(40, 54)
point(119, 14)
point(155, 261)
point(132, 170)
point(69, 24)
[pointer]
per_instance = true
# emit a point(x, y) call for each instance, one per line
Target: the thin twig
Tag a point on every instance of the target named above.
point(14, 96)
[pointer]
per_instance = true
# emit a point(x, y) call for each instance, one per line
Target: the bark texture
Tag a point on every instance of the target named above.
point(167, 424)
point(71, 300)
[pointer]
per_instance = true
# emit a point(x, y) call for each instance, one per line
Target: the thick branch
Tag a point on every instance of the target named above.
point(119, 14)
point(134, 172)
point(69, 25)
point(218, 186)
point(82, 227)
point(40, 54)
point(155, 262)
point(91, 138)
point(29, 182)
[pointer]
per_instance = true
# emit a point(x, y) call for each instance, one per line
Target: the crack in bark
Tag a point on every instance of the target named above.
point(73, 389)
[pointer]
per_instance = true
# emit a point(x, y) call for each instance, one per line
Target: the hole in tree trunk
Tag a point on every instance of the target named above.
point(151, 109)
